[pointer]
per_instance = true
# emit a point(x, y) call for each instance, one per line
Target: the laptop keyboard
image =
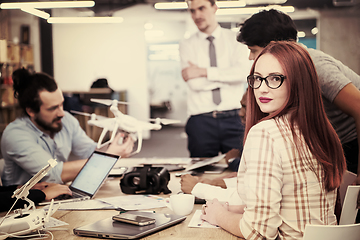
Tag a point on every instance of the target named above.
point(66, 196)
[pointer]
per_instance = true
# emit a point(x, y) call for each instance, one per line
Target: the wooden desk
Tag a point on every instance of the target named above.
point(112, 188)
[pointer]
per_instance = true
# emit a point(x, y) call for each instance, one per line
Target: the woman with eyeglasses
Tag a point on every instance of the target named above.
point(292, 162)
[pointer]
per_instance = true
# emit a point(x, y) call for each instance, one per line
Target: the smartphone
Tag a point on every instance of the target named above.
point(133, 219)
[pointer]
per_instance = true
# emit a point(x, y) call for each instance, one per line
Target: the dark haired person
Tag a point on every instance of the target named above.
point(339, 88)
point(339, 84)
point(292, 162)
point(214, 67)
point(45, 131)
point(40, 192)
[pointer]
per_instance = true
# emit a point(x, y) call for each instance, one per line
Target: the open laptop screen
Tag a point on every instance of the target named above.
point(94, 172)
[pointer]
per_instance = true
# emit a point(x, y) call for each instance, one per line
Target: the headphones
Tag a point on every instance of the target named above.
point(146, 180)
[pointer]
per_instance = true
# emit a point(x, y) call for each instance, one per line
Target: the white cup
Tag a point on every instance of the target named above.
point(181, 204)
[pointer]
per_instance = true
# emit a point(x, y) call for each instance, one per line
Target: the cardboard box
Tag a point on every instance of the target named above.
point(7, 96)
point(14, 53)
point(27, 55)
point(3, 51)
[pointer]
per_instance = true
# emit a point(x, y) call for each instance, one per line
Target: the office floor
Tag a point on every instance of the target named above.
point(170, 141)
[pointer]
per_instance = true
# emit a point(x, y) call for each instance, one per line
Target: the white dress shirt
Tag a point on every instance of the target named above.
point(209, 192)
point(233, 66)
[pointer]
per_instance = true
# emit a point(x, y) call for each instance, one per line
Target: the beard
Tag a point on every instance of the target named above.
point(49, 126)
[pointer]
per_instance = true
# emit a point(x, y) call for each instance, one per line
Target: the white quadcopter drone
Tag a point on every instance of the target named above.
point(123, 122)
point(29, 219)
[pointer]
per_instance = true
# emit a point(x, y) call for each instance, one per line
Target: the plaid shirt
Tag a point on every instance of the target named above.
point(280, 193)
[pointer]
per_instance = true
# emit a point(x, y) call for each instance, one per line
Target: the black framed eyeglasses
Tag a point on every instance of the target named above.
point(272, 81)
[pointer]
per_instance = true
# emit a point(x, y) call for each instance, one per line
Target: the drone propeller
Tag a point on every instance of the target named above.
point(165, 121)
point(81, 113)
point(88, 114)
point(106, 102)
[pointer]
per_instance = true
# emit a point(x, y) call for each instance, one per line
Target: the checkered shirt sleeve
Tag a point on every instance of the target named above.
point(280, 192)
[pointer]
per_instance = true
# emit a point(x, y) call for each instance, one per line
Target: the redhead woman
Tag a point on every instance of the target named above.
point(292, 162)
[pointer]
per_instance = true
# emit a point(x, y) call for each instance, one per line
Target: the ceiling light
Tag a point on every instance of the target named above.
point(230, 4)
point(301, 34)
point(183, 5)
point(85, 20)
point(314, 31)
point(55, 4)
point(36, 12)
point(252, 10)
point(259, 2)
point(170, 5)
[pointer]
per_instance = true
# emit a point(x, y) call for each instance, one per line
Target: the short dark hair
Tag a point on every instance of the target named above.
point(266, 26)
point(27, 87)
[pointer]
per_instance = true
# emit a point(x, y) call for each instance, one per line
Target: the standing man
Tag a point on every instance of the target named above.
point(46, 131)
point(214, 66)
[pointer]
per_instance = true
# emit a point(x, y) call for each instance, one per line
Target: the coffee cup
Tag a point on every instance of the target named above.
point(181, 204)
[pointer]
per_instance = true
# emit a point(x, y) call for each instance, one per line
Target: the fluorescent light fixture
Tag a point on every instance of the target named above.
point(183, 5)
point(170, 5)
point(42, 5)
point(230, 4)
point(265, 2)
point(36, 12)
point(301, 34)
point(314, 31)
point(56, 20)
point(252, 10)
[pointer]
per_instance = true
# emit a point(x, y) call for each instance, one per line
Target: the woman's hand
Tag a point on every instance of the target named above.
point(212, 209)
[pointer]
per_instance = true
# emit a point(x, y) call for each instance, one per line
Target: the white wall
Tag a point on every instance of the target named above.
point(85, 52)
point(340, 36)
point(118, 52)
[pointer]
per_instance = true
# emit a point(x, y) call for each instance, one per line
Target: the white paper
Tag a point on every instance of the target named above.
point(159, 161)
point(136, 202)
point(197, 222)
point(93, 204)
point(53, 222)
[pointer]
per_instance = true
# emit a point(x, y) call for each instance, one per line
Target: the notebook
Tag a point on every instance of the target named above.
point(110, 229)
point(90, 178)
point(205, 162)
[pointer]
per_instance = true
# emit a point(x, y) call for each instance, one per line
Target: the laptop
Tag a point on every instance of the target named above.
point(90, 178)
point(110, 229)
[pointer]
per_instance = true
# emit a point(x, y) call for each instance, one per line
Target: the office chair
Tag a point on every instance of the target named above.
point(332, 232)
point(350, 206)
point(346, 228)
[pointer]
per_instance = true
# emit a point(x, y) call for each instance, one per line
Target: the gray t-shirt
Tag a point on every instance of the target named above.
point(26, 149)
point(333, 76)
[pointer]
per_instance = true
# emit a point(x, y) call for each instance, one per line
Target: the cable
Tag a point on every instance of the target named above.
point(9, 211)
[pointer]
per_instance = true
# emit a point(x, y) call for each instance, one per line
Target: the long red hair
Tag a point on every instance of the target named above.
point(305, 108)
